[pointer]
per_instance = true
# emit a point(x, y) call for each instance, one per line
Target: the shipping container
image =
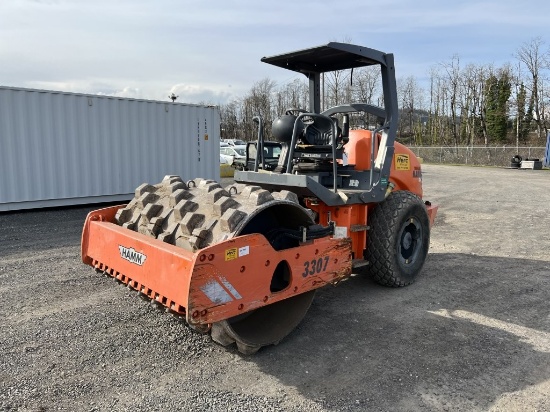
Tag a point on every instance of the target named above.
point(60, 148)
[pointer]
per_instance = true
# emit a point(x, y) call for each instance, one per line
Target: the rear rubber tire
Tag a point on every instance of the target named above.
point(398, 239)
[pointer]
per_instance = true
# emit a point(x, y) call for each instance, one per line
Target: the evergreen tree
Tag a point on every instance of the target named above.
point(525, 114)
point(498, 91)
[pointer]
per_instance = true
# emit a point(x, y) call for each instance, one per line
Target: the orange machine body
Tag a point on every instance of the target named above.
point(233, 277)
point(215, 283)
point(405, 174)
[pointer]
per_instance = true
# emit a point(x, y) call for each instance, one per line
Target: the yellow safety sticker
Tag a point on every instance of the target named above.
point(231, 254)
point(402, 162)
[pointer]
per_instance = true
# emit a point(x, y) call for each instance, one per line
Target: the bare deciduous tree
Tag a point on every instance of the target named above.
point(456, 101)
point(535, 59)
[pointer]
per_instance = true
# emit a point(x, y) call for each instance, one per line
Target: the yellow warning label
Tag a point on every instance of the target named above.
point(231, 254)
point(402, 162)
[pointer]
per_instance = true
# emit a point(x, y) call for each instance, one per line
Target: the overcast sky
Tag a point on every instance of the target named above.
point(209, 51)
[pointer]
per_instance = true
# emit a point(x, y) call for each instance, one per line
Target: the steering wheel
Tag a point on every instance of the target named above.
point(294, 111)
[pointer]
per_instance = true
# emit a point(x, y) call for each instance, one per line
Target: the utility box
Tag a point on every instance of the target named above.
point(531, 164)
point(60, 148)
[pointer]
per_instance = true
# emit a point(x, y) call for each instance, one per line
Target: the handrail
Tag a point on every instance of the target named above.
point(372, 145)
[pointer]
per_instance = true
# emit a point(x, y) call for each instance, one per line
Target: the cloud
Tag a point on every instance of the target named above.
point(131, 92)
point(198, 94)
point(144, 49)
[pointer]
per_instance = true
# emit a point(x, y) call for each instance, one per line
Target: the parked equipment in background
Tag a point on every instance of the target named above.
point(533, 164)
point(268, 160)
point(234, 142)
point(515, 163)
point(518, 162)
point(232, 153)
point(244, 262)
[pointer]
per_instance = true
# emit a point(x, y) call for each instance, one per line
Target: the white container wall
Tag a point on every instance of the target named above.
point(64, 148)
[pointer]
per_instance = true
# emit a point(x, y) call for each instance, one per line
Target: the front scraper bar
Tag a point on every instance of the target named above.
point(215, 283)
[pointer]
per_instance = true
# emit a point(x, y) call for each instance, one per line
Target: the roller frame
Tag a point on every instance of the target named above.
point(212, 284)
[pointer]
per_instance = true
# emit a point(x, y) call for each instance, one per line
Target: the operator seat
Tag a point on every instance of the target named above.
point(313, 149)
point(315, 154)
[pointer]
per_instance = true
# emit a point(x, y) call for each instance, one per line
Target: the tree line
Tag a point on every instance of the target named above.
point(460, 105)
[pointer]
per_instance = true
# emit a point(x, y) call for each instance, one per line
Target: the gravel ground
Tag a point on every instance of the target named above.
point(472, 334)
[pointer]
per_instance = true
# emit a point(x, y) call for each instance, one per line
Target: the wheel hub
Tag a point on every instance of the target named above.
point(407, 240)
point(410, 241)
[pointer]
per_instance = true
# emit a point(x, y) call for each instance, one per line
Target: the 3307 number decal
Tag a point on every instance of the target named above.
point(314, 266)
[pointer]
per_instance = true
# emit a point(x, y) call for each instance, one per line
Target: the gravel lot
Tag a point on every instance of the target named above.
point(472, 334)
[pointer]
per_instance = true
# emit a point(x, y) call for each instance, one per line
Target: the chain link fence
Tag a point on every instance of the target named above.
point(476, 155)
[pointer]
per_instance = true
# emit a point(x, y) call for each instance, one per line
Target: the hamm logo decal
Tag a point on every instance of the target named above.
point(132, 256)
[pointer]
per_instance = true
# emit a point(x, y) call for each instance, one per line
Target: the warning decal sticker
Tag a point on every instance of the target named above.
point(402, 162)
point(231, 254)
